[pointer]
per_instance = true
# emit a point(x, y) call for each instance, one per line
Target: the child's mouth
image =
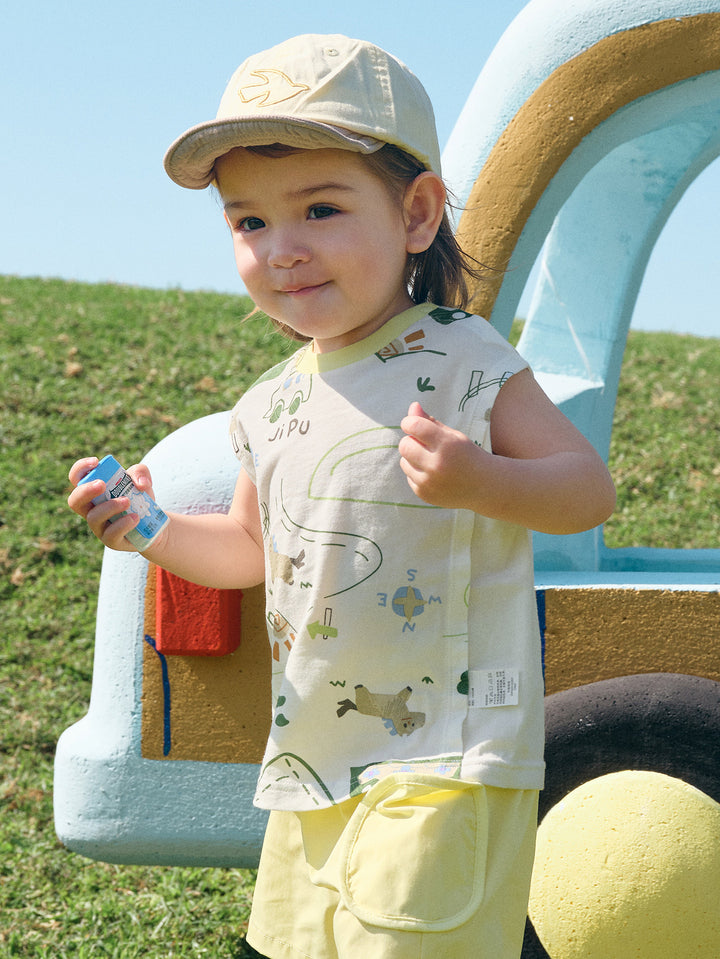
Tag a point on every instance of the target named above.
point(303, 290)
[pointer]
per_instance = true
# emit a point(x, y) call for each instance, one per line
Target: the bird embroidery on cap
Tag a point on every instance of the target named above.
point(275, 87)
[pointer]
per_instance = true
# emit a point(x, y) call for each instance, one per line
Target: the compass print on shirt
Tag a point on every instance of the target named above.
point(409, 602)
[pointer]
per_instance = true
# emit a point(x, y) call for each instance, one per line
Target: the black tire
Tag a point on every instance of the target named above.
point(658, 722)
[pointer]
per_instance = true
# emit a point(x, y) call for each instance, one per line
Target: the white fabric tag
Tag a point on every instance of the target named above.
point(493, 687)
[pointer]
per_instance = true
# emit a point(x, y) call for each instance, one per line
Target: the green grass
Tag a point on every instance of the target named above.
point(95, 369)
point(665, 447)
point(85, 370)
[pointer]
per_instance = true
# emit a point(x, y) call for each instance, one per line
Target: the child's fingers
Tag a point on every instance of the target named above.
point(141, 477)
point(81, 468)
point(423, 428)
point(415, 409)
point(80, 499)
point(415, 453)
point(99, 516)
point(113, 534)
point(411, 469)
point(104, 519)
point(109, 530)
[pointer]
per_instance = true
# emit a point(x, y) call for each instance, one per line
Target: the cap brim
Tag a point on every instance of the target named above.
point(190, 160)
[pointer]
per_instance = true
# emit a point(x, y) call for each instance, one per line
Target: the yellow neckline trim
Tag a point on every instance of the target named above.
point(309, 362)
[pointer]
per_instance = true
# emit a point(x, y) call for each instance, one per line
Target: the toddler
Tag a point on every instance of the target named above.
point(390, 473)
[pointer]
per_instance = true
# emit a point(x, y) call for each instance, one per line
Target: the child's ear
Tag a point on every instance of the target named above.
point(423, 206)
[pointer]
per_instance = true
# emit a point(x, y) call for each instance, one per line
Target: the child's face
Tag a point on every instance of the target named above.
point(319, 242)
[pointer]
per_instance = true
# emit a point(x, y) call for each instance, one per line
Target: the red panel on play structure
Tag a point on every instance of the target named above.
point(194, 620)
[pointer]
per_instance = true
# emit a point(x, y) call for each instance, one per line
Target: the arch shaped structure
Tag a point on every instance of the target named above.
point(584, 129)
point(586, 125)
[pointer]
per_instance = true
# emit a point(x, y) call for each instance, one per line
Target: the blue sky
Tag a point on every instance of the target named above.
point(94, 92)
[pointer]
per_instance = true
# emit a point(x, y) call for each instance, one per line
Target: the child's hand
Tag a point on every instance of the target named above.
point(98, 517)
point(441, 464)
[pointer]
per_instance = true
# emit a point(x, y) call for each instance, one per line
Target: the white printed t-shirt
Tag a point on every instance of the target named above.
point(404, 636)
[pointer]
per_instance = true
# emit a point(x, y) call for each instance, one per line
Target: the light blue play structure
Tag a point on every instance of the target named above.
point(598, 217)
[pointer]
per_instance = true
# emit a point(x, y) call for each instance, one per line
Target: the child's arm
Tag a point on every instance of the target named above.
point(542, 473)
point(212, 549)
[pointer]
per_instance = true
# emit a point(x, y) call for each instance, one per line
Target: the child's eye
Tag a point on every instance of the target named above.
point(250, 224)
point(321, 211)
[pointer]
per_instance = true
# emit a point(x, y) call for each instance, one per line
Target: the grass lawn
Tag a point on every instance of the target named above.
point(96, 369)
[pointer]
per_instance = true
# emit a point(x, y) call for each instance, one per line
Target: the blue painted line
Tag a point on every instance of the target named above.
point(167, 743)
point(540, 599)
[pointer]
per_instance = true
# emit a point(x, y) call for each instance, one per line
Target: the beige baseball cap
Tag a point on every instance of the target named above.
point(310, 92)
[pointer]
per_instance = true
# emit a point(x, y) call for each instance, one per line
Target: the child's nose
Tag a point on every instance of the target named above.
point(287, 251)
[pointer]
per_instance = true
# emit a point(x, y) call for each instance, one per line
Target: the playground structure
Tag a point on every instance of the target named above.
point(584, 129)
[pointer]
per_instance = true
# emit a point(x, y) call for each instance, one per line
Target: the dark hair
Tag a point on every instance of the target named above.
point(438, 274)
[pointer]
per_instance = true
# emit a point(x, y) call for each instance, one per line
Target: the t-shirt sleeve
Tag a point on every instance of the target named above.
point(500, 361)
point(240, 441)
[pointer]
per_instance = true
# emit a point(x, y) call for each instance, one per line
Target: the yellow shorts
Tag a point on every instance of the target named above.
point(420, 867)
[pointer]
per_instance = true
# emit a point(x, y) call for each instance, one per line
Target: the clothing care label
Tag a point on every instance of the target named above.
point(493, 687)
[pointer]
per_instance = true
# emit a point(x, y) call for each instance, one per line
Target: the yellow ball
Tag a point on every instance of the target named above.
point(628, 867)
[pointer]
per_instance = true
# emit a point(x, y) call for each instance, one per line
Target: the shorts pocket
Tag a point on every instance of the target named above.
point(414, 853)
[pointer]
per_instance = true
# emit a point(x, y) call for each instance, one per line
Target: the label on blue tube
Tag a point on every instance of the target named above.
point(118, 483)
